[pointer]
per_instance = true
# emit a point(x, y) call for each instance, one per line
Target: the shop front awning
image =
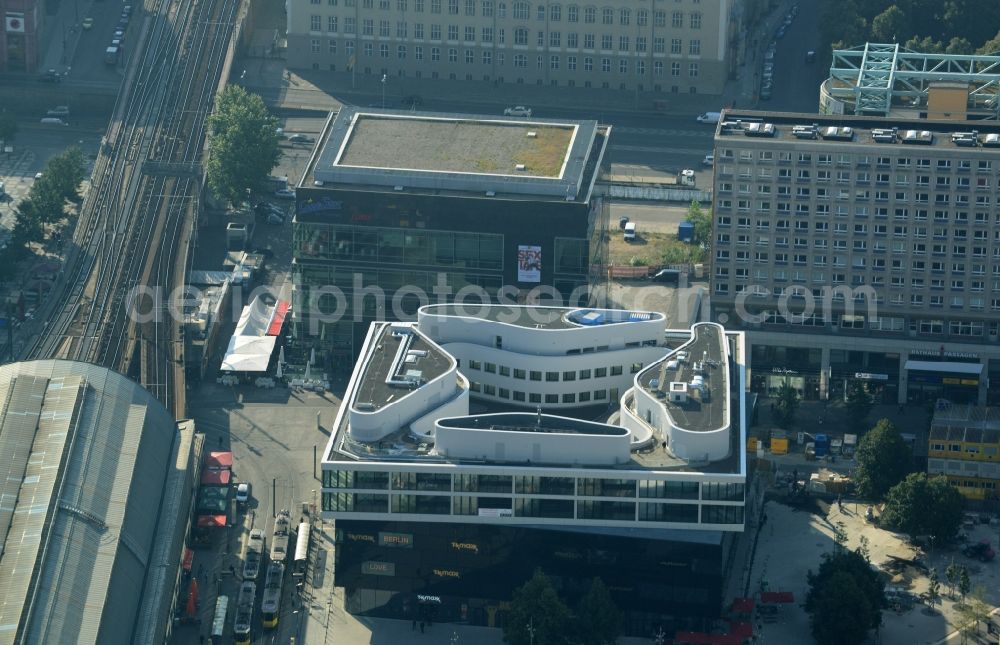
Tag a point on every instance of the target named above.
point(211, 521)
point(945, 366)
point(278, 318)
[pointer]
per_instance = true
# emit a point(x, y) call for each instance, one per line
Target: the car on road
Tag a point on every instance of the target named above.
point(708, 161)
point(517, 110)
point(810, 56)
point(243, 493)
point(275, 218)
point(285, 193)
point(299, 138)
point(769, 55)
point(263, 208)
point(780, 33)
point(51, 120)
point(50, 76)
point(127, 10)
point(59, 110)
point(710, 118)
point(765, 92)
point(119, 34)
point(264, 251)
point(87, 23)
point(411, 101)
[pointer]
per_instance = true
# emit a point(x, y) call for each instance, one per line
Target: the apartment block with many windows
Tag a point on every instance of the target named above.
point(679, 46)
point(877, 239)
point(964, 445)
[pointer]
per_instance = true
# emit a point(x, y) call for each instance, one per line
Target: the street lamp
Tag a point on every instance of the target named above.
point(531, 630)
point(383, 91)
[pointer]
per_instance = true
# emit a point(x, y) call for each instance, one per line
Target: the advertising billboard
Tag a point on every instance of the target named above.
point(529, 263)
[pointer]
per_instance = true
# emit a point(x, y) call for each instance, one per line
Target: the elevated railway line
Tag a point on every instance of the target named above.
point(135, 224)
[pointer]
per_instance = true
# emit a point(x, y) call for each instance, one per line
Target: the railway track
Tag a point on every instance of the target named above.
point(136, 222)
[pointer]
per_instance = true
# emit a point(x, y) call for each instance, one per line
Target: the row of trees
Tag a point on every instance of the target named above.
point(948, 26)
point(915, 503)
point(57, 188)
point(538, 616)
point(859, 406)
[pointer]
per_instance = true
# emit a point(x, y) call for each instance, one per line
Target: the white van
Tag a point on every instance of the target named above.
point(53, 121)
point(629, 232)
point(710, 118)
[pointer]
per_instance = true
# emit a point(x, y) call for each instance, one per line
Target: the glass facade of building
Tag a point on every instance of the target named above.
point(378, 254)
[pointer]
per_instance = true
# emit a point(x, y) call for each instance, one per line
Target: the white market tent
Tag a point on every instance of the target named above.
point(252, 344)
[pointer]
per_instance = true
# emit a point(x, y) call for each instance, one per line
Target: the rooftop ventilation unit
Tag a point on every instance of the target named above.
point(921, 137)
point(731, 126)
point(805, 132)
point(966, 139)
point(532, 135)
point(759, 130)
point(881, 135)
point(838, 134)
point(519, 167)
point(991, 140)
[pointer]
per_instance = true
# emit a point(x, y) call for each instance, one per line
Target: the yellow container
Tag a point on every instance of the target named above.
point(779, 446)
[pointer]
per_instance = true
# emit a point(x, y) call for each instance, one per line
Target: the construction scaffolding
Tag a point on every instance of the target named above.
point(876, 77)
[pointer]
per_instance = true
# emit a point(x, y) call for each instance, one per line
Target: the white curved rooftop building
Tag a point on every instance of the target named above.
point(607, 400)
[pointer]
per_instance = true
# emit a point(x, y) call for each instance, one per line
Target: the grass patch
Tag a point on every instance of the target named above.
point(544, 154)
point(652, 248)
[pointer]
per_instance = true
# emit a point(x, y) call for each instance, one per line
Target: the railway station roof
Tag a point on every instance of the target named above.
point(87, 454)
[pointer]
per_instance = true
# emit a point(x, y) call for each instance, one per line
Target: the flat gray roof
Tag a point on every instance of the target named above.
point(702, 413)
point(733, 125)
point(422, 358)
point(406, 150)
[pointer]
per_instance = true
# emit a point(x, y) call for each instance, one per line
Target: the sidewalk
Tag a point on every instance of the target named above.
point(62, 35)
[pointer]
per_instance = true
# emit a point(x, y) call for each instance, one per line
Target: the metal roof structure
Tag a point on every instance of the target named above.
point(87, 452)
point(876, 76)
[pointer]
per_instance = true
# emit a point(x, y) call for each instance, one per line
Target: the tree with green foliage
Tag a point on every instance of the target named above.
point(598, 619)
point(883, 459)
point(244, 144)
point(889, 25)
point(925, 45)
point(8, 126)
point(859, 406)
point(845, 598)
point(964, 583)
point(958, 46)
point(702, 221)
point(951, 575)
point(976, 610)
point(63, 176)
point(922, 505)
point(786, 403)
point(537, 609)
point(991, 47)
point(934, 589)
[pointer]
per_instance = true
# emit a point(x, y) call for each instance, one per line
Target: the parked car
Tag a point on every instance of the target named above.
point(622, 221)
point(119, 34)
point(629, 235)
point(263, 251)
point(242, 493)
point(411, 101)
point(517, 110)
point(50, 76)
point(59, 110)
point(708, 161)
point(765, 93)
point(87, 23)
point(51, 120)
point(810, 56)
point(285, 193)
point(299, 138)
point(127, 10)
point(666, 275)
point(274, 218)
point(981, 551)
